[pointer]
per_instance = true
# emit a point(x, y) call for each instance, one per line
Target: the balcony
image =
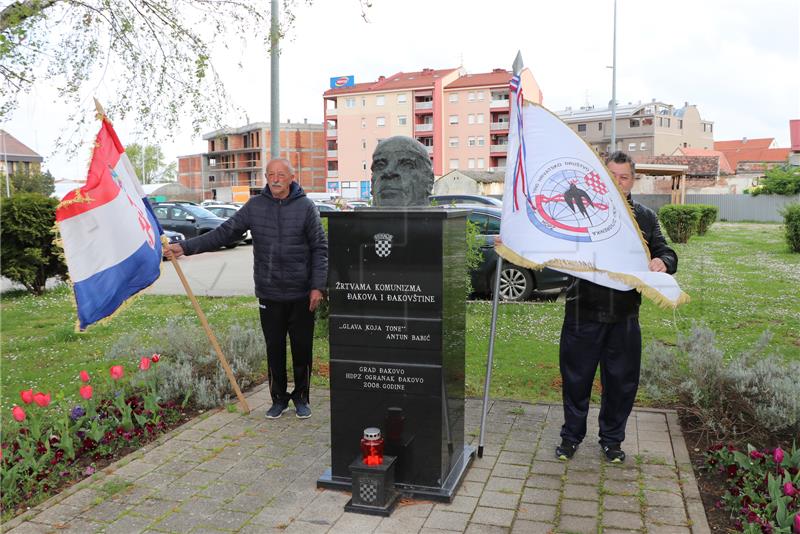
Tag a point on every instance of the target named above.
point(498, 148)
point(333, 173)
point(331, 132)
point(333, 153)
point(499, 104)
point(423, 127)
point(497, 169)
point(423, 105)
point(496, 126)
point(331, 112)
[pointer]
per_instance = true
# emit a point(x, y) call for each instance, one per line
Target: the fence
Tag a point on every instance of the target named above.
point(734, 208)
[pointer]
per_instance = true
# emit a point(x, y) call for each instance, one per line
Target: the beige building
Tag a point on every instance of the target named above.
point(643, 130)
point(488, 183)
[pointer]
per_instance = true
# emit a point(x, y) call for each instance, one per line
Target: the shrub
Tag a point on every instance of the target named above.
point(753, 394)
point(708, 214)
point(30, 254)
point(791, 221)
point(190, 369)
point(679, 221)
point(784, 180)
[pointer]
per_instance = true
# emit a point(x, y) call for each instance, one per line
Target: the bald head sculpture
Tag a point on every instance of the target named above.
point(401, 173)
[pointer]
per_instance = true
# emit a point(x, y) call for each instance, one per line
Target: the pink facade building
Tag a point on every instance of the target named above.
point(461, 118)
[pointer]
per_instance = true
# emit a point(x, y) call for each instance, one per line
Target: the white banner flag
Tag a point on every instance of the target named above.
point(562, 209)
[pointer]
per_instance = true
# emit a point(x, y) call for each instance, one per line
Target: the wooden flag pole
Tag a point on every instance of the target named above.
point(211, 337)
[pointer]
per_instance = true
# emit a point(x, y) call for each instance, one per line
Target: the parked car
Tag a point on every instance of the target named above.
point(226, 211)
point(444, 200)
point(358, 204)
point(516, 283)
point(188, 219)
point(173, 237)
point(322, 206)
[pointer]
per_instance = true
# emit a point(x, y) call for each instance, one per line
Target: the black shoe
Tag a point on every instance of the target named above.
point(302, 410)
point(277, 410)
point(614, 453)
point(566, 450)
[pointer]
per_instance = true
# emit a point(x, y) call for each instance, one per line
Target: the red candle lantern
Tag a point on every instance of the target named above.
point(372, 446)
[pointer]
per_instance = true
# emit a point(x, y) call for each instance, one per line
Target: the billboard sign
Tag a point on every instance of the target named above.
point(337, 82)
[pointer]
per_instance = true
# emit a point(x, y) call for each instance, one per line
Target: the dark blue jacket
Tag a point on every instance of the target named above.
point(290, 250)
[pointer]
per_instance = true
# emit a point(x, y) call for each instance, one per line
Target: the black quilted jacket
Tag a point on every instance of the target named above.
point(290, 250)
point(586, 300)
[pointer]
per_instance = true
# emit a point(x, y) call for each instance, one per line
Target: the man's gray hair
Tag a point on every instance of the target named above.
point(285, 162)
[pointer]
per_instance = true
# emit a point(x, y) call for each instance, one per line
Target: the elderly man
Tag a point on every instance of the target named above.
point(290, 268)
point(401, 173)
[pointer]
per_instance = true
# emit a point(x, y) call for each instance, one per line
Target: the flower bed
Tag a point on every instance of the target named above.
point(762, 490)
point(39, 456)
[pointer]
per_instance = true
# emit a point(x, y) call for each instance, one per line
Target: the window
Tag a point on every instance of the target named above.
point(642, 146)
point(471, 163)
point(582, 128)
point(364, 144)
point(471, 141)
point(453, 119)
point(380, 122)
point(480, 140)
point(350, 102)
point(631, 147)
point(363, 165)
point(634, 123)
point(363, 122)
point(380, 100)
point(402, 98)
point(680, 124)
point(600, 126)
point(161, 212)
point(333, 186)
point(453, 142)
point(661, 121)
point(481, 163)
point(479, 220)
point(479, 118)
point(470, 119)
point(669, 122)
point(366, 187)
point(471, 96)
point(453, 98)
point(402, 120)
point(211, 178)
point(363, 101)
point(453, 164)
point(480, 95)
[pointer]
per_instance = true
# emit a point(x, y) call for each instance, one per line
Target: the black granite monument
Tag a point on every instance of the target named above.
point(397, 330)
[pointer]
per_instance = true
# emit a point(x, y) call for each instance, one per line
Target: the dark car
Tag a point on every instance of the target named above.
point(188, 219)
point(226, 211)
point(516, 283)
point(445, 200)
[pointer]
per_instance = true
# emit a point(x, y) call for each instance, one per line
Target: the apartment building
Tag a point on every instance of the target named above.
point(15, 156)
point(462, 119)
point(643, 130)
point(233, 167)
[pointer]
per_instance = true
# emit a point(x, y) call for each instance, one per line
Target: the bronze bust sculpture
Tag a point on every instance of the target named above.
point(401, 173)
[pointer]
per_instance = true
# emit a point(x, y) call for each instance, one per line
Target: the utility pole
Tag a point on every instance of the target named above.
point(275, 120)
point(614, 87)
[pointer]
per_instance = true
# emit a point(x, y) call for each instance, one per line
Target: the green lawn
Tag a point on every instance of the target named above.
point(741, 278)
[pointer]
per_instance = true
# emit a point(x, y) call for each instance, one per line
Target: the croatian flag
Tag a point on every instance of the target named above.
point(109, 233)
point(561, 208)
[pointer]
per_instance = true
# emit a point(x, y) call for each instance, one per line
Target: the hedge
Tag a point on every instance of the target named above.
point(680, 221)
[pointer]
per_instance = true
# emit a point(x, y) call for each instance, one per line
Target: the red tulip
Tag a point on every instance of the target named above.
point(26, 396)
point(144, 364)
point(86, 392)
point(788, 489)
point(41, 399)
point(84, 376)
point(756, 455)
point(18, 413)
point(116, 372)
point(155, 358)
point(777, 455)
point(797, 523)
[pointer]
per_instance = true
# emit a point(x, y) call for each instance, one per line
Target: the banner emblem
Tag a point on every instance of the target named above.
point(383, 245)
point(567, 199)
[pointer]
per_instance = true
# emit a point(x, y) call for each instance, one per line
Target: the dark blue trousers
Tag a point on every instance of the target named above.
point(617, 348)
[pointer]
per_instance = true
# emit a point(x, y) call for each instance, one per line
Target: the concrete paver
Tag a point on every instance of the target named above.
point(234, 473)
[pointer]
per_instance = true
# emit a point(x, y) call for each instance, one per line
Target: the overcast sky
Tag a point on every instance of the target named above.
point(738, 61)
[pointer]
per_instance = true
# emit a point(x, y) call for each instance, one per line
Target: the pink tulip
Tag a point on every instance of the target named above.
point(789, 489)
point(755, 455)
point(41, 399)
point(797, 523)
point(26, 396)
point(777, 455)
point(116, 372)
point(18, 413)
point(155, 358)
point(84, 376)
point(144, 364)
point(86, 392)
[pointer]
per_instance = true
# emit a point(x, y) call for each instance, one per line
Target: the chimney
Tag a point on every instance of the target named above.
point(686, 103)
point(305, 121)
point(744, 140)
point(381, 78)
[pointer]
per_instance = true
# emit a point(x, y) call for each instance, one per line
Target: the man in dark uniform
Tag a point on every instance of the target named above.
point(601, 326)
point(290, 269)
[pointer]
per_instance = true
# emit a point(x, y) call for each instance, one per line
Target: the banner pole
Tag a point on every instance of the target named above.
point(490, 357)
point(211, 337)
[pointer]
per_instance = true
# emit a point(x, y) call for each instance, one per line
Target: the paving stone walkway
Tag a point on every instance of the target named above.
point(224, 472)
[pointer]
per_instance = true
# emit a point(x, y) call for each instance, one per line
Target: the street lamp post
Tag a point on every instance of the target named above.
point(614, 87)
point(275, 129)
